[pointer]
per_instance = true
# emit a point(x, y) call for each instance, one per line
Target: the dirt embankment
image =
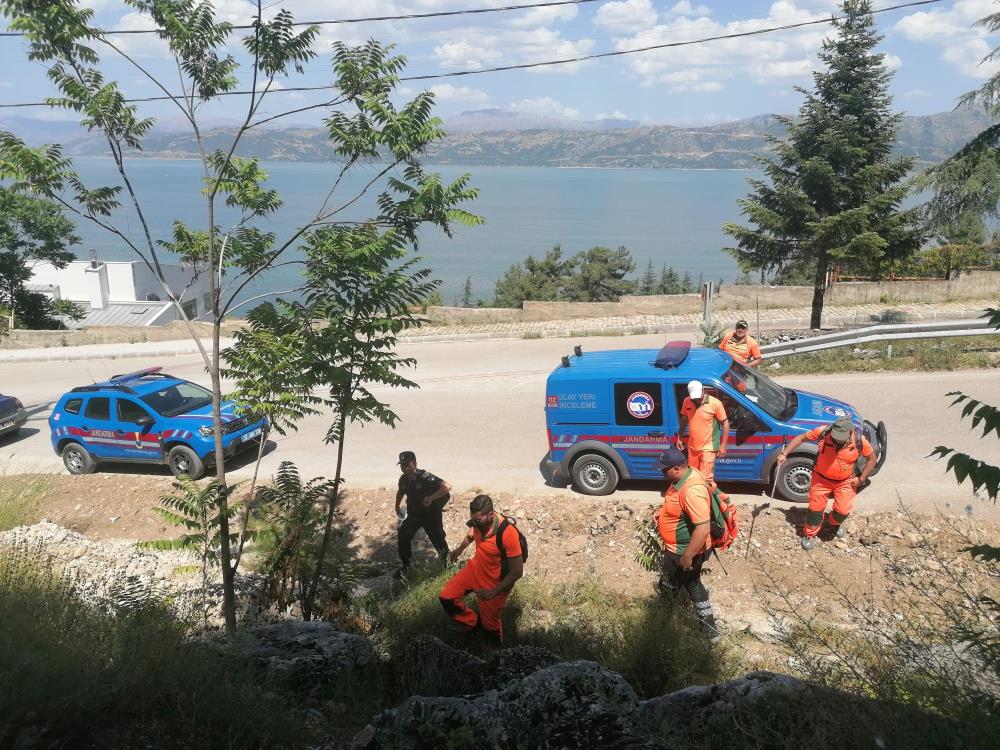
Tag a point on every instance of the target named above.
point(573, 537)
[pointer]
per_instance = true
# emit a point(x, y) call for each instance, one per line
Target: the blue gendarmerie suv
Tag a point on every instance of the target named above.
point(147, 417)
point(610, 414)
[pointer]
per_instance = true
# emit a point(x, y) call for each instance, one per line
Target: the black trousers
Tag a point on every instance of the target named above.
point(428, 519)
point(673, 578)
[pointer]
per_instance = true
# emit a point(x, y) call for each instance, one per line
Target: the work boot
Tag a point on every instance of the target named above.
point(841, 532)
point(807, 543)
point(402, 572)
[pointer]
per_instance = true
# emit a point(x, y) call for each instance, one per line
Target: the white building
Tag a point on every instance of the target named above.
point(121, 293)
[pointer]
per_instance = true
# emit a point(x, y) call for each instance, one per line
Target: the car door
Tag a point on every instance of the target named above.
point(749, 439)
point(136, 430)
point(97, 430)
point(639, 430)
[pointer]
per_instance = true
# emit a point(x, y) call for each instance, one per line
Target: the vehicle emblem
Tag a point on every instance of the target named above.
point(836, 411)
point(640, 405)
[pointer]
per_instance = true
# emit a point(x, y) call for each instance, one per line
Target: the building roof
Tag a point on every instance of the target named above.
point(636, 364)
point(121, 314)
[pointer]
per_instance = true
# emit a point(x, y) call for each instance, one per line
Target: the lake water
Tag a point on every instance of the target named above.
point(669, 216)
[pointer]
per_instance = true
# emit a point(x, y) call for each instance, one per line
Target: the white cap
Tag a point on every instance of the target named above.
point(695, 389)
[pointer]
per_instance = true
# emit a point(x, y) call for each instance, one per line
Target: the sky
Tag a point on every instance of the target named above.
point(935, 50)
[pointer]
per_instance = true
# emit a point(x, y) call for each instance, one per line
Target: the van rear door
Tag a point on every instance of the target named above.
point(641, 427)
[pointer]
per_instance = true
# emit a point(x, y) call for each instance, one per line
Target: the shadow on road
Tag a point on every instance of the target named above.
point(239, 461)
point(13, 438)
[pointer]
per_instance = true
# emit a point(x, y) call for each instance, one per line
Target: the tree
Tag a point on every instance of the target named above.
point(687, 285)
point(32, 230)
point(600, 275)
point(543, 279)
point(360, 294)
point(669, 281)
point(831, 195)
point(969, 181)
point(647, 285)
point(960, 246)
point(467, 292)
point(362, 121)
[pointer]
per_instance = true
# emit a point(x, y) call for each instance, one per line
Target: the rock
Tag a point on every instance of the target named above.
point(516, 663)
point(840, 544)
point(432, 667)
point(624, 514)
point(896, 533)
point(932, 565)
point(306, 653)
point(913, 539)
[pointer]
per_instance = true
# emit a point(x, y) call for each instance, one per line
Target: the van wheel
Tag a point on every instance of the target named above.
point(594, 474)
point(183, 460)
point(77, 459)
point(794, 478)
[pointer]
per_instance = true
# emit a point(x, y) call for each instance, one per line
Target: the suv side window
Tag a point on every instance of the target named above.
point(98, 407)
point(73, 406)
point(130, 411)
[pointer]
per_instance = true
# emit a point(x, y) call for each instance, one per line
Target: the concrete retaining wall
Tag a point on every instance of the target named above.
point(972, 285)
point(19, 339)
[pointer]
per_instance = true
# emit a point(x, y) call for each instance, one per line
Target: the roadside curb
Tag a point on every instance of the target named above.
point(563, 331)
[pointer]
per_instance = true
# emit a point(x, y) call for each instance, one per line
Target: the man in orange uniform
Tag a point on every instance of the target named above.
point(709, 429)
point(833, 474)
point(741, 346)
point(484, 575)
point(684, 525)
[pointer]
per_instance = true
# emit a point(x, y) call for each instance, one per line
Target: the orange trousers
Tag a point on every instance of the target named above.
point(460, 585)
point(703, 461)
point(819, 495)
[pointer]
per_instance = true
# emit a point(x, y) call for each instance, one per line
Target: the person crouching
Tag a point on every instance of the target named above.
point(484, 575)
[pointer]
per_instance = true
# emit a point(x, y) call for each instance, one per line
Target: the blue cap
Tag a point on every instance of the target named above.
point(671, 458)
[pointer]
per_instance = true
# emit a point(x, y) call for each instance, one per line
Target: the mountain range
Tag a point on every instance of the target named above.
point(498, 137)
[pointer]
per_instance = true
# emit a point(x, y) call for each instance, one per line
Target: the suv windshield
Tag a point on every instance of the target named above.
point(179, 398)
point(779, 402)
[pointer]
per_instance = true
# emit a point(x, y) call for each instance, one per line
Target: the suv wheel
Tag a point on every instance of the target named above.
point(594, 474)
point(77, 459)
point(183, 460)
point(794, 478)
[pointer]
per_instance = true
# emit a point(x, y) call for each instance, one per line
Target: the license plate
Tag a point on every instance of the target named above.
point(252, 435)
point(5, 425)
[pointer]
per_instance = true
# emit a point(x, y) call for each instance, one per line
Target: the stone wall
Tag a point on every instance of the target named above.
point(972, 285)
point(19, 339)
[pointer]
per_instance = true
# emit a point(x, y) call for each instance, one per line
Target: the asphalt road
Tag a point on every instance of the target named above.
point(478, 420)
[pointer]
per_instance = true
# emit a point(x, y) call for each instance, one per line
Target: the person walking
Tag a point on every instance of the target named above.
point(684, 524)
point(834, 474)
point(426, 496)
point(709, 429)
point(741, 346)
point(490, 574)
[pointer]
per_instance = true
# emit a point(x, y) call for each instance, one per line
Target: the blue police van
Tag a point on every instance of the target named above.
point(610, 414)
point(147, 417)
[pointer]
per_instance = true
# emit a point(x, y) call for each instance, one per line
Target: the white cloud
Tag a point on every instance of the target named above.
point(445, 92)
point(685, 8)
point(916, 93)
point(892, 62)
point(6, 85)
point(540, 17)
point(513, 47)
point(789, 55)
point(626, 13)
point(546, 105)
point(962, 43)
point(616, 115)
point(463, 54)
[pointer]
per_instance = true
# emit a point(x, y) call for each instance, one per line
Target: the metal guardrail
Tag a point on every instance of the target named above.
point(882, 332)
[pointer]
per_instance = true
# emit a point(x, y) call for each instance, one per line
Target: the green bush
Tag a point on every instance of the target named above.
point(77, 675)
point(19, 499)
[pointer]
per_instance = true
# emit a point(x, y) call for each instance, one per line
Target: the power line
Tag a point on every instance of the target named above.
point(406, 17)
point(539, 64)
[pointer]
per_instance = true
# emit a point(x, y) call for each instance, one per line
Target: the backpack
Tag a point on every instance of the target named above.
point(724, 525)
point(503, 553)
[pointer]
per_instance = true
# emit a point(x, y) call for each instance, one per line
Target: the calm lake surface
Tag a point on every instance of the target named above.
point(669, 216)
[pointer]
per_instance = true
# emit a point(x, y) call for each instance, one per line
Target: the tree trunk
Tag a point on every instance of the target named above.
point(245, 520)
point(310, 598)
point(819, 290)
point(222, 499)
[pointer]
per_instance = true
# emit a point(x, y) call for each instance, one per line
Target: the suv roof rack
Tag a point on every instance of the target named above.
point(137, 374)
point(102, 387)
point(672, 355)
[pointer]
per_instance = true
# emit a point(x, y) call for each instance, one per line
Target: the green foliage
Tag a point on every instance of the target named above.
point(649, 547)
point(969, 181)
point(647, 285)
point(670, 282)
point(106, 675)
point(20, 497)
point(434, 299)
point(832, 192)
point(594, 275)
point(466, 300)
point(711, 333)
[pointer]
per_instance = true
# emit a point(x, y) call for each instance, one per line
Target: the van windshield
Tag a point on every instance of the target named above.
point(779, 402)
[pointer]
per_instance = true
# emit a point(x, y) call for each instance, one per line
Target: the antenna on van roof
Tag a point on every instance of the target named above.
point(91, 376)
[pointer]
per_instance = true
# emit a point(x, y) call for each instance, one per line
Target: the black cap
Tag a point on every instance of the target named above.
point(406, 457)
point(742, 324)
point(671, 458)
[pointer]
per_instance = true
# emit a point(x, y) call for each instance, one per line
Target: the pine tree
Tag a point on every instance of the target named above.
point(687, 286)
point(832, 194)
point(647, 285)
point(467, 292)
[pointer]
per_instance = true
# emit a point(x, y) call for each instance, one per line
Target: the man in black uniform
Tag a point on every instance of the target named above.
point(426, 496)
